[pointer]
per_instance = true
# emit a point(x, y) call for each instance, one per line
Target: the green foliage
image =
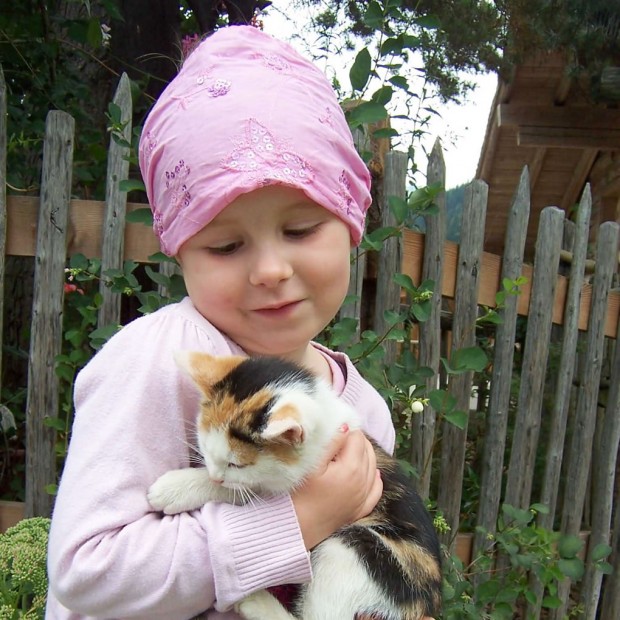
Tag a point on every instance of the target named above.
point(519, 558)
point(23, 570)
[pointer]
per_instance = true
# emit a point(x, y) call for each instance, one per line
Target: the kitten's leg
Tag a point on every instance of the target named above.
point(180, 490)
point(261, 605)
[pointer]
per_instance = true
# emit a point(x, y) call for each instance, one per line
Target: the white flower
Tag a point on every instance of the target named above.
point(105, 35)
point(417, 406)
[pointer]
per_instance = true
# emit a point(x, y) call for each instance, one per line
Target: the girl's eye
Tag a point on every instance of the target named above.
point(224, 250)
point(300, 233)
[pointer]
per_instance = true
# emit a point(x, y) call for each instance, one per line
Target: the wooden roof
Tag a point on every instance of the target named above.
point(544, 119)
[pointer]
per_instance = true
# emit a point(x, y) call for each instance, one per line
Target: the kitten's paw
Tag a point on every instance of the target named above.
point(179, 490)
point(261, 605)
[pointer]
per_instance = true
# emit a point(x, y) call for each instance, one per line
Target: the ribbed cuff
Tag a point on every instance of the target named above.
point(254, 547)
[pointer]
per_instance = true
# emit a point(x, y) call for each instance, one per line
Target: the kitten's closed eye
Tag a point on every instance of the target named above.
point(236, 466)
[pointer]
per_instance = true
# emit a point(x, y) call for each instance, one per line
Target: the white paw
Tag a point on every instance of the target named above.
point(261, 605)
point(179, 490)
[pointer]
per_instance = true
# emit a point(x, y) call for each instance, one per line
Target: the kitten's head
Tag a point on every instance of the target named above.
point(263, 423)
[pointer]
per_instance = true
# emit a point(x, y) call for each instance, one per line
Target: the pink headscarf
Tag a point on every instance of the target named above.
point(246, 111)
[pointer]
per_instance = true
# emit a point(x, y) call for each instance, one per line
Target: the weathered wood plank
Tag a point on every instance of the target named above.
point(603, 477)
point(503, 358)
point(113, 232)
point(527, 421)
point(423, 424)
point(3, 216)
point(47, 311)
point(559, 413)
point(580, 451)
point(388, 292)
point(454, 439)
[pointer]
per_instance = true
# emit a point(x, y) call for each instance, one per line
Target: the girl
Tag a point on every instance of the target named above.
point(257, 189)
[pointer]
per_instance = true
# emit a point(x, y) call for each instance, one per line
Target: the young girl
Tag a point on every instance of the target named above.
point(258, 191)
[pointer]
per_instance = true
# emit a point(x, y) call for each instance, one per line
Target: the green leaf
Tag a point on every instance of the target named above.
point(130, 185)
point(385, 132)
point(441, 400)
point(398, 206)
point(400, 82)
point(392, 45)
point(422, 311)
point(457, 418)
point(572, 568)
point(366, 113)
point(551, 602)
point(383, 95)
point(600, 552)
point(469, 358)
point(569, 546)
point(51, 489)
point(360, 71)
point(140, 216)
point(374, 17)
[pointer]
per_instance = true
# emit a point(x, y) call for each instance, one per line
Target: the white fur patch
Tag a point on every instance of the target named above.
point(341, 586)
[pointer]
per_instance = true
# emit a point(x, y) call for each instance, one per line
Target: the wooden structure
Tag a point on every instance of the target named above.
point(545, 119)
point(54, 226)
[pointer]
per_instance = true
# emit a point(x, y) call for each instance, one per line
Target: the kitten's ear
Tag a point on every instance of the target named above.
point(284, 426)
point(206, 370)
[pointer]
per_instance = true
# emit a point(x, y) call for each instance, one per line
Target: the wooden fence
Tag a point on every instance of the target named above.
point(579, 318)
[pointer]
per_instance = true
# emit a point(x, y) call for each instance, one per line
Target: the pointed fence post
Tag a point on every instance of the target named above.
point(557, 431)
point(454, 439)
point(527, 422)
point(423, 424)
point(503, 358)
point(116, 205)
point(47, 311)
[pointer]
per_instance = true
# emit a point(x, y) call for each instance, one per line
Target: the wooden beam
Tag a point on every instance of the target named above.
point(85, 229)
point(413, 251)
point(569, 138)
point(585, 118)
point(578, 180)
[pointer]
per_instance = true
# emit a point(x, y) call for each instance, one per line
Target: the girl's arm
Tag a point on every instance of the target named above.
point(109, 554)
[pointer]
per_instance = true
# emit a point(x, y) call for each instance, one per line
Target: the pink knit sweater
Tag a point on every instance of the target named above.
point(110, 556)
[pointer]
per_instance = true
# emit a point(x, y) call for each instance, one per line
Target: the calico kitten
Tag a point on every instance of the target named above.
point(263, 427)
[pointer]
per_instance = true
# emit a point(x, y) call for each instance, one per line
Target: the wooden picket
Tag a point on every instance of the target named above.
point(54, 226)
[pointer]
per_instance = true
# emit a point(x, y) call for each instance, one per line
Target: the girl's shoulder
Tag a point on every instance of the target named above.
point(178, 326)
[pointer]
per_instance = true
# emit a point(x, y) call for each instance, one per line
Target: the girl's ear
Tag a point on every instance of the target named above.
point(284, 426)
point(206, 370)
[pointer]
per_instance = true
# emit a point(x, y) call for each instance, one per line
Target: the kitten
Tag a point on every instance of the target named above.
point(263, 427)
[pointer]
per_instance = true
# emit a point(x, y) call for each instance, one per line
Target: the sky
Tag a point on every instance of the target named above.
point(460, 127)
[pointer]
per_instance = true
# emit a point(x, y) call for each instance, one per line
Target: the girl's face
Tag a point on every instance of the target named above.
point(270, 271)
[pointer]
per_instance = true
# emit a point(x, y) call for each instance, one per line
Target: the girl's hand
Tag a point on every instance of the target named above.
point(344, 489)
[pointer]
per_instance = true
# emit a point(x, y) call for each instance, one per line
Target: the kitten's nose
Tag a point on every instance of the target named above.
point(217, 480)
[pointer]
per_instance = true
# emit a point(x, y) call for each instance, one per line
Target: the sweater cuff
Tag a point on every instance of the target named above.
point(253, 547)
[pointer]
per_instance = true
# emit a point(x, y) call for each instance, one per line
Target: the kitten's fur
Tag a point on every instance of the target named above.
point(263, 427)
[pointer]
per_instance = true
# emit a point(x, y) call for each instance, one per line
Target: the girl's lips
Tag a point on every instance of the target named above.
point(281, 310)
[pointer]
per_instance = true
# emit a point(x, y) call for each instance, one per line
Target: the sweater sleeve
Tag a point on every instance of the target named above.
point(109, 554)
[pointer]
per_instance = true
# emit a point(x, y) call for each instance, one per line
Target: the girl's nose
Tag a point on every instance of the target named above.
point(270, 267)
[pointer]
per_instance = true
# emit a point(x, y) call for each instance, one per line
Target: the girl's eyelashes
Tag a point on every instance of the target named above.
point(224, 250)
point(300, 233)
